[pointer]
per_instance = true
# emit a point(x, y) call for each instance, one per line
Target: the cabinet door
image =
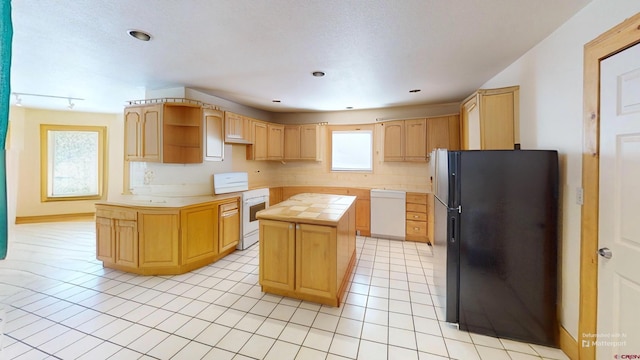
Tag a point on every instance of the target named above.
point(236, 129)
point(454, 132)
point(126, 243)
point(415, 140)
point(258, 151)
point(393, 140)
point(277, 254)
point(316, 262)
point(309, 142)
point(363, 216)
point(292, 142)
point(159, 238)
point(132, 133)
point(275, 142)
point(213, 144)
point(438, 133)
point(105, 242)
point(497, 121)
point(229, 222)
point(199, 232)
point(151, 135)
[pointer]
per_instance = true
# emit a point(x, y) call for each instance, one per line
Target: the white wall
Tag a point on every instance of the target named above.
point(551, 81)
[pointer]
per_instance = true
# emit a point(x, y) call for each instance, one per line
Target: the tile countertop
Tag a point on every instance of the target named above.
point(309, 208)
point(164, 201)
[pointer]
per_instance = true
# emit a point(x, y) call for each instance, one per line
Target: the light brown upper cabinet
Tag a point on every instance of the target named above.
point(302, 142)
point(415, 140)
point(443, 132)
point(214, 134)
point(393, 140)
point(490, 119)
point(237, 128)
point(257, 150)
point(167, 132)
point(143, 133)
point(275, 141)
point(405, 140)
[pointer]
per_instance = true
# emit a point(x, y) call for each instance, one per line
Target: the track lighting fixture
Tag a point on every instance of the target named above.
point(71, 100)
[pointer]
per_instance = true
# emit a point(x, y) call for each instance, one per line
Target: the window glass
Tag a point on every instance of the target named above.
point(72, 159)
point(352, 150)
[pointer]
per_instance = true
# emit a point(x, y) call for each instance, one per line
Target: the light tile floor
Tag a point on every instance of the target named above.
point(60, 303)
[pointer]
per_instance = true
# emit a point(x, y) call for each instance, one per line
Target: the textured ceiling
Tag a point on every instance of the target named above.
point(254, 51)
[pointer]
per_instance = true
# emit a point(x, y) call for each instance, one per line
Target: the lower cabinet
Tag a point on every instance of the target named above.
point(162, 241)
point(416, 220)
point(158, 238)
point(229, 226)
point(277, 254)
point(305, 261)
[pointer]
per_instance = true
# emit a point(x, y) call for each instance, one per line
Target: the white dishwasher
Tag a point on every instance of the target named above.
point(388, 214)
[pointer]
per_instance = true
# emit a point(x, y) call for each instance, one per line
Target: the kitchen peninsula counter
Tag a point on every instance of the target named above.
point(307, 247)
point(156, 235)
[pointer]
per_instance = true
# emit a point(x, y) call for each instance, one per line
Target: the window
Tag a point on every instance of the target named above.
point(71, 162)
point(352, 150)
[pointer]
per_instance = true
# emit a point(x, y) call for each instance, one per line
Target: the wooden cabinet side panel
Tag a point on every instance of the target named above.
point(275, 195)
point(105, 245)
point(126, 238)
point(454, 132)
point(438, 133)
point(159, 238)
point(199, 236)
point(316, 262)
point(470, 113)
point(497, 120)
point(277, 254)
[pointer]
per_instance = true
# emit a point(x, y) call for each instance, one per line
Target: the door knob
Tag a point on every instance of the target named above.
point(605, 253)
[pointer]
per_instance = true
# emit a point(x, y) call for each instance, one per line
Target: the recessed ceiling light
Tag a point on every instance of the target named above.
point(318, 73)
point(275, 100)
point(140, 35)
point(414, 90)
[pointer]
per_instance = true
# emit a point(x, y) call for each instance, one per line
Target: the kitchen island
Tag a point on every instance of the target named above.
point(166, 235)
point(307, 247)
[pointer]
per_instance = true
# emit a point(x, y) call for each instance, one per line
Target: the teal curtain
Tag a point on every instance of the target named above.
point(6, 35)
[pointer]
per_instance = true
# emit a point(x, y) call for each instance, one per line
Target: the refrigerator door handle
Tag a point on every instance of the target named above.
point(453, 229)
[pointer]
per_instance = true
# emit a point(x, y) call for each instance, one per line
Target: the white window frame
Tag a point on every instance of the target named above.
point(363, 158)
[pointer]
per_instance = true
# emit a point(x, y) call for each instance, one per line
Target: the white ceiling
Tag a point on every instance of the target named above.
point(254, 51)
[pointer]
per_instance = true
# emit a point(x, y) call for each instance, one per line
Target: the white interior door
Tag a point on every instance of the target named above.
point(619, 214)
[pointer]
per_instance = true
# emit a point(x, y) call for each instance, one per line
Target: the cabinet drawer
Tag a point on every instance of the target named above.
point(116, 213)
point(417, 216)
point(420, 208)
point(417, 198)
point(228, 206)
point(416, 228)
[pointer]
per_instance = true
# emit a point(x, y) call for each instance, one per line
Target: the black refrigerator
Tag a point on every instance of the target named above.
point(496, 236)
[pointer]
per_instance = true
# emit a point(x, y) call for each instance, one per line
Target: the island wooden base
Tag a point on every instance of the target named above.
point(308, 247)
point(333, 301)
point(168, 270)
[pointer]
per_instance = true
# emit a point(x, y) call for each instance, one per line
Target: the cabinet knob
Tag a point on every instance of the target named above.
point(416, 228)
point(415, 216)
